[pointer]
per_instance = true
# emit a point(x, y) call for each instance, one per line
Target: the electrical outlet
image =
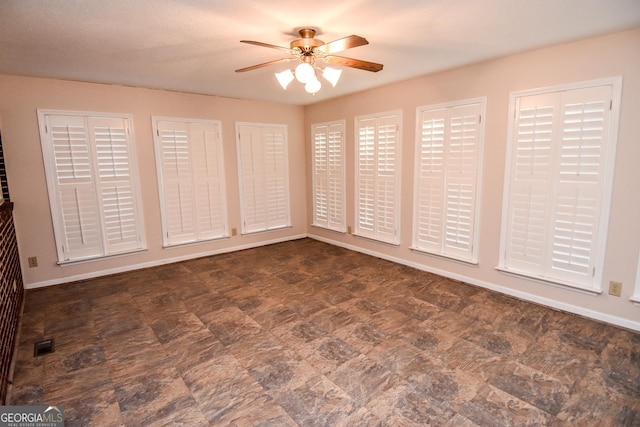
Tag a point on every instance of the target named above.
point(234, 231)
point(615, 288)
point(33, 261)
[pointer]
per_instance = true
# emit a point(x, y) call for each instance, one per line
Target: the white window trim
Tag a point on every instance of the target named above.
point(398, 178)
point(607, 189)
point(473, 259)
point(223, 197)
point(50, 174)
point(342, 227)
point(636, 293)
point(284, 127)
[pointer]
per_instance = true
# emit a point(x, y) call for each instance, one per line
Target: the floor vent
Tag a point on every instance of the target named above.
point(43, 347)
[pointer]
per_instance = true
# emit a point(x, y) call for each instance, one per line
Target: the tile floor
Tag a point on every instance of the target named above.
point(307, 334)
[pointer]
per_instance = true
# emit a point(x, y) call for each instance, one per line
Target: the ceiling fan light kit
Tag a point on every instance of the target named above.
point(284, 78)
point(304, 72)
point(307, 50)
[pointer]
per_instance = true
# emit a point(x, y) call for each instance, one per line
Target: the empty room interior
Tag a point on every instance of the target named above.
point(340, 213)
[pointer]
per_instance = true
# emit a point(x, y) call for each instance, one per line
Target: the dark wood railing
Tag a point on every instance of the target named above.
point(11, 295)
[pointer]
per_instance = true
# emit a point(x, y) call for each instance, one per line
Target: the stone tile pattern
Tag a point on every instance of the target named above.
point(304, 333)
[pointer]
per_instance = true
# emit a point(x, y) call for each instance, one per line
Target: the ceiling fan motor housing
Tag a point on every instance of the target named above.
point(306, 43)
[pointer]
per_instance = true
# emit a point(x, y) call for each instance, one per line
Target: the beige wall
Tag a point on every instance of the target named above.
point(613, 55)
point(21, 96)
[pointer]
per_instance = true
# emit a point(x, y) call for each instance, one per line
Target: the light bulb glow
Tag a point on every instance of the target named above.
point(313, 85)
point(332, 75)
point(304, 72)
point(284, 78)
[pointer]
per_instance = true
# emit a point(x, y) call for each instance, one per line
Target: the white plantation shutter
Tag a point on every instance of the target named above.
point(328, 176)
point(78, 230)
point(377, 179)
point(561, 156)
point(94, 200)
point(115, 183)
point(365, 219)
point(176, 178)
point(252, 179)
point(447, 163)
point(276, 180)
point(209, 182)
point(430, 182)
point(532, 163)
point(191, 172)
point(264, 177)
point(579, 181)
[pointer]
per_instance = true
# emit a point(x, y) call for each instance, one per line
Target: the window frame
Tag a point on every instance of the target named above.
point(268, 225)
point(334, 203)
point(198, 235)
point(481, 103)
point(66, 256)
point(606, 188)
point(376, 234)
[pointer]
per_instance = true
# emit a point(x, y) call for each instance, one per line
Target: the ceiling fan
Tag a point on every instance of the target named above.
point(309, 51)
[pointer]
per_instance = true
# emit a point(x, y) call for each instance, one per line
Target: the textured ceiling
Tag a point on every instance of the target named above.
point(194, 45)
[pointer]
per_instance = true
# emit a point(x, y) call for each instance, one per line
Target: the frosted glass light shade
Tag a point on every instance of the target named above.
point(284, 78)
point(313, 85)
point(304, 72)
point(332, 75)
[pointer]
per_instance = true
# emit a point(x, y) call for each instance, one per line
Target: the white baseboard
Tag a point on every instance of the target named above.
point(596, 315)
point(108, 272)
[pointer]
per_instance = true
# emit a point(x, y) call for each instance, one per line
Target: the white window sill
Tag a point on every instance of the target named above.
point(99, 257)
point(550, 282)
point(373, 239)
point(445, 256)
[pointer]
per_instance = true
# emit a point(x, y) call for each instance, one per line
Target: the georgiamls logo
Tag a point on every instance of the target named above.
point(33, 416)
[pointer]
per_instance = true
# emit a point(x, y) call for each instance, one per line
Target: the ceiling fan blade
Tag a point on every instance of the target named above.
point(272, 46)
point(353, 63)
point(265, 64)
point(342, 44)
